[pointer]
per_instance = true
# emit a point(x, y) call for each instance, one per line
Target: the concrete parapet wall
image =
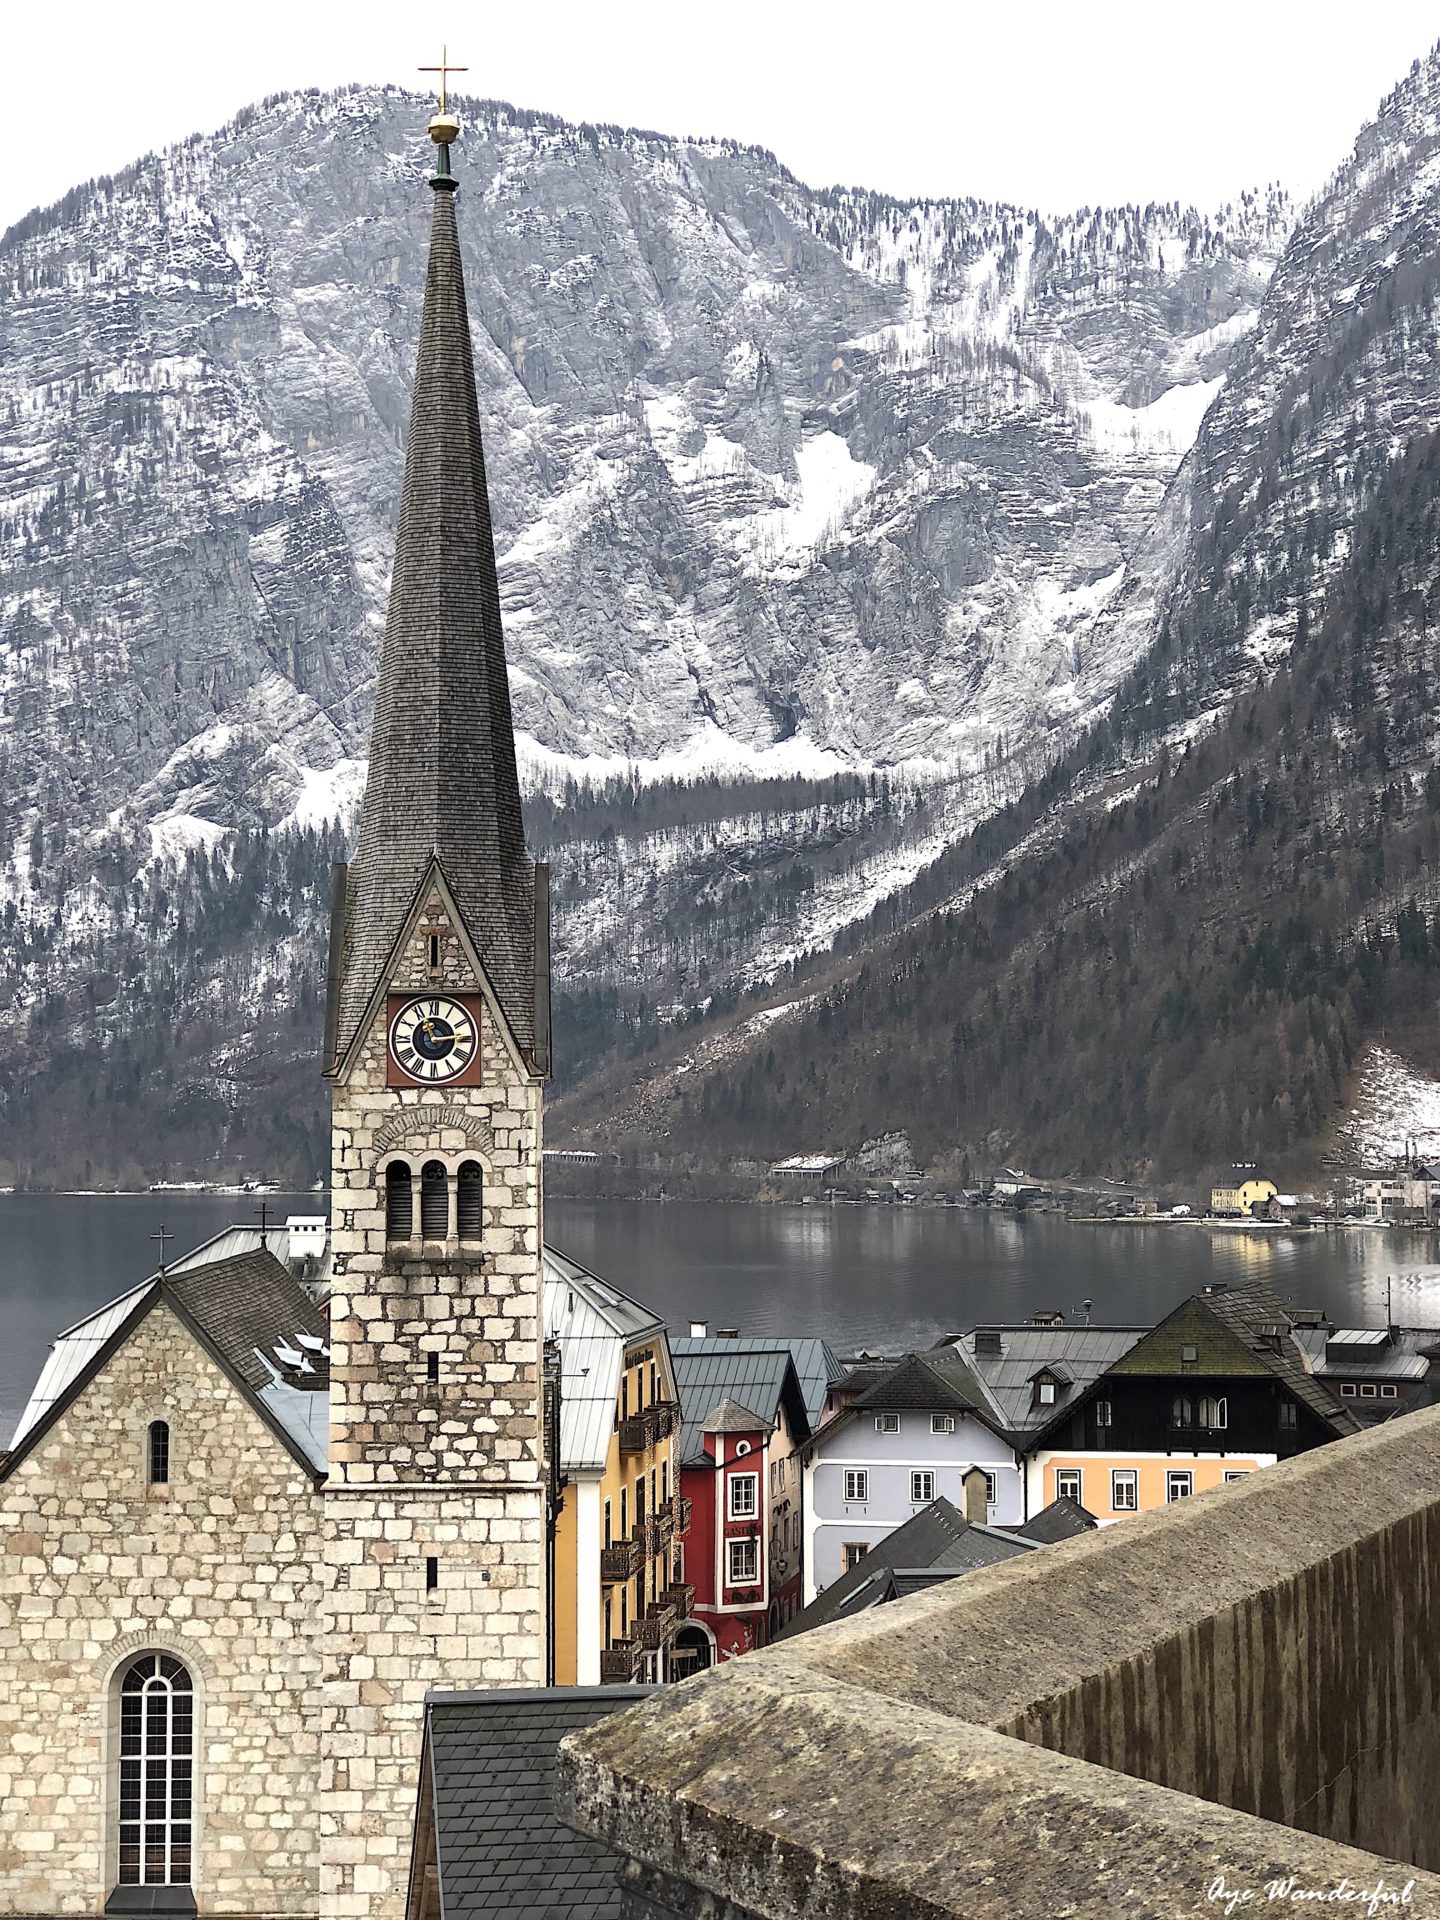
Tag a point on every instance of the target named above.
point(1027, 1740)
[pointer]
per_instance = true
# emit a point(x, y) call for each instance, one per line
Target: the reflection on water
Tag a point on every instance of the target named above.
point(876, 1276)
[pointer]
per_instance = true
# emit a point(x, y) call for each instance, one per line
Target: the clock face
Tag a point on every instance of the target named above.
point(433, 1040)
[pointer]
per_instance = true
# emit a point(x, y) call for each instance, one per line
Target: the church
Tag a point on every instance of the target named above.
point(242, 1535)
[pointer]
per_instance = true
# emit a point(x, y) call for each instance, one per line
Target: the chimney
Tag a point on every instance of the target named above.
point(987, 1342)
point(699, 1329)
point(972, 1482)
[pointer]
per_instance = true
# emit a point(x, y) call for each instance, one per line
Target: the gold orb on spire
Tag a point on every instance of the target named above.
point(444, 127)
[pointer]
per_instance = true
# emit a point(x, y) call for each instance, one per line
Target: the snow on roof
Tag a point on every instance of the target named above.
point(807, 1163)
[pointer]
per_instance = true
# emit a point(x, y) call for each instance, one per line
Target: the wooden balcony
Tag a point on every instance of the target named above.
point(619, 1560)
point(639, 1432)
point(617, 1663)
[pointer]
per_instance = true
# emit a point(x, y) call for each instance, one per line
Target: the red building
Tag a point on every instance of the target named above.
point(740, 1470)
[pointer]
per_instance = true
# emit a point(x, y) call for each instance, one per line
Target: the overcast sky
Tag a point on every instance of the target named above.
point(1041, 103)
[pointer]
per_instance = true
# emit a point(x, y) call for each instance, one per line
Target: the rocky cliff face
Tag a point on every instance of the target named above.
point(785, 483)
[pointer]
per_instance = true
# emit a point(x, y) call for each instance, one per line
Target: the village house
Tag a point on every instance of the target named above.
point(619, 1593)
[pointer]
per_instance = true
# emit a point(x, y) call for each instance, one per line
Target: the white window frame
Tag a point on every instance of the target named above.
point(1124, 1480)
point(1070, 1473)
point(1367, 1390)
point(734, 1507)
point(167, 1805)
point(1238, 1473)
point(852, 1552)
point(1214, 1412)
point(992, 1488)
point(1389, 1392)
point(887, 1423)
point(1044, 1393)
point(747, 1545)
point(942, 1423)
point(1347, 1389)
point(1173, 1476)
point(1104, 1413)
point(856, 1486)
point(922, 1486)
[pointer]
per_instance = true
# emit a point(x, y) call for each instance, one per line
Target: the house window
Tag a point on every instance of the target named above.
point(1182, 1411)
point(434, 1201)
point(399, 1204)
point(1214, 1413)
point(942, 1423)
point(432, 1573)
point(1067, 1484)
point(1287, 1416)
point(991, 1493)
point(665, 1481)
point(1045, 1392)
point(624, 1513)
point(1179, 1485)
point(853, 1552)
point(1104, 1414)
point(780, 1474)
point(744, 1495)
point(887, 1423)
point(1189, 1356)
point(1388, 1393)
point(857, 1483)
point(159, 1452)
point(470, 1200)
point(434, 953)
point(922, 1486)
point(157, 1759)
point(607, 1523)
point(432, 1368)
point(742, 1563)
point(1347, 1390)
point(1124, 1490)
point(1237, 1473)
point(1367, 1390)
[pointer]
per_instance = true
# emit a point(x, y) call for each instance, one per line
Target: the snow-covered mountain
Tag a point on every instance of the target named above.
point(786, 483)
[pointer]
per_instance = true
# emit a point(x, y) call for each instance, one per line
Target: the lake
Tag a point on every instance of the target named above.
point(861, 1276)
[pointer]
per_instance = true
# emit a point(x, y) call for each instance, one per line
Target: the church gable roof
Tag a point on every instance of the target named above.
point(442, 784)
point(250, 1315)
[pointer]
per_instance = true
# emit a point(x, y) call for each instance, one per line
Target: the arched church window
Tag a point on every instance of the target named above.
point(470, 1200)
point(159, 1452)
point(399, 1205)
point(157, 1758)
point(434, 1201)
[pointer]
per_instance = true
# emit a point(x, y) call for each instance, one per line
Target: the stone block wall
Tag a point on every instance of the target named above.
point(1229, 1705)
point(447, 1470)
point(221, 1568)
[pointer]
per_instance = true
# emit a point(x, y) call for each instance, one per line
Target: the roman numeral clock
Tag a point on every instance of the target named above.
point(434, 1040)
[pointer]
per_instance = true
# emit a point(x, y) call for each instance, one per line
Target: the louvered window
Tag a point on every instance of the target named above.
point(157, 1758)
point(470, 1200)
point(434, 1201)
point(399, 1202)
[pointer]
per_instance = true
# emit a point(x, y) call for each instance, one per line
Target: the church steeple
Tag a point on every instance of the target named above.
point(442, 787)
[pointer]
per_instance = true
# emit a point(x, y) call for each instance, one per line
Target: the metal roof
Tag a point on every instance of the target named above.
point(495, 1836)
point(593, 1323)
point(1007, 1378)
point(70, 1354)
point(817, 1365)
point(708, 1372)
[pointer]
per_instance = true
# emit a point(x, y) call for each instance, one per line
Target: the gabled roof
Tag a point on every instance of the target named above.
point(760, 1378)
point(1061, 1520)
point(1250, 1313)
point(938, 1540)
point(730, 1417)
point(488, 1825)
point(442, 790)
point(1007, 1376)
point(935, 1382)
point(252, 1316)
point(593, 1323)
point(817, 1365)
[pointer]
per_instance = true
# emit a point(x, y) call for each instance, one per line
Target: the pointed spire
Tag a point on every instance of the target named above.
point(442, 783)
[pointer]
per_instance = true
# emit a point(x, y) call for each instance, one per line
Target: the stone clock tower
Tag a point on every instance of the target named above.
point(436, 1052)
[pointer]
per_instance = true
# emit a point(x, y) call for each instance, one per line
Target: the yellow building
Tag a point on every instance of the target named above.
point(618, 1592)
point(1243, 1194)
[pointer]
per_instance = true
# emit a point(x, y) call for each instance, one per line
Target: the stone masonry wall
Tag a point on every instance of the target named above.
point(447, 1470)
point(220, 1568)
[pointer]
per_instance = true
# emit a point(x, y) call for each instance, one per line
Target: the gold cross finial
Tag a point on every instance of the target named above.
point(444, 70)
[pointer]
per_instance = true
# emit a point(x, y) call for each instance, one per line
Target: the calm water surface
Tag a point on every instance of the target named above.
point(876, 1276)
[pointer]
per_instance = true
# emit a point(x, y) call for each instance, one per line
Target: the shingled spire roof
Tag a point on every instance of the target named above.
point(442, 783)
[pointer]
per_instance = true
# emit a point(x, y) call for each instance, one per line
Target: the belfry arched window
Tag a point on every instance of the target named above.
point(470, 1200)
point(399, 1202)
point(157, 1761)
point(434, 1201)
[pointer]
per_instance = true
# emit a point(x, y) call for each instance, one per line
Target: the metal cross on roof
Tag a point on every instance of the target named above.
point(264, 1212)
point(163, 1237)
point(444, 70)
